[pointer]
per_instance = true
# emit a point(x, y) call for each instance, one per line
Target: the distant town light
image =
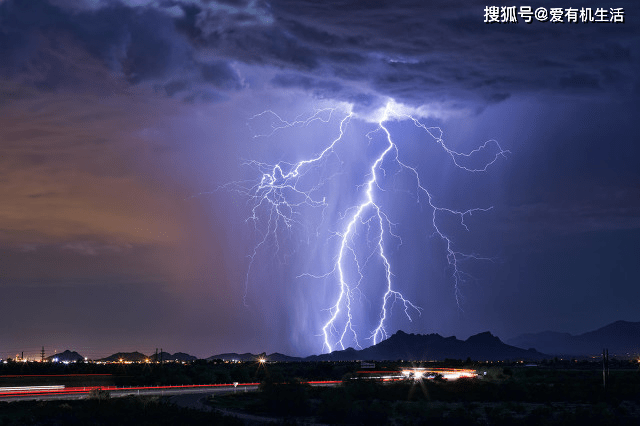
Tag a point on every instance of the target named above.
point(446, 373)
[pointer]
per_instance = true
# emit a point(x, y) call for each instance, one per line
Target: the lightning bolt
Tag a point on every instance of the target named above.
point(276, 200)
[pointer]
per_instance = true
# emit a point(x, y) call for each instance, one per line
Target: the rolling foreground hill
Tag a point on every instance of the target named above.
point(622, 338)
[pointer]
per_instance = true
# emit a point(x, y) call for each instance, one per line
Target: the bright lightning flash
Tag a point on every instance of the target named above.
point(277, 198)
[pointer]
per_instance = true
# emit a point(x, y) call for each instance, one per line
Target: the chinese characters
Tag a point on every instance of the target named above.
point(526, 14)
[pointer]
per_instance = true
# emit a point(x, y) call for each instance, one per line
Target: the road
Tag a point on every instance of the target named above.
point(198, 402)
point(83, 392)
point(193, 397)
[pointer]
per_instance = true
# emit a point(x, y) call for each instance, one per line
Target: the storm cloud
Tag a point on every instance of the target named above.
point(414, 52)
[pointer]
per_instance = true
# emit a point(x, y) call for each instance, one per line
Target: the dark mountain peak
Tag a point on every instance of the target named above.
point(396, 338)
point(401, 336)
point(66, 356)
point(620, 337)
point(278, 357)
point(126, 356)
point(430, 347)
point(234, 357)
point(549, 333)
point(623, 322)
point(619, 326)
point(485, 338)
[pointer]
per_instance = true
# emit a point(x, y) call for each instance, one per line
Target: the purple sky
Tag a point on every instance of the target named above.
point(119, 120)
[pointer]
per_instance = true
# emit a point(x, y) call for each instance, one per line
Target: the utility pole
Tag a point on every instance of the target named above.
point(605, 367)
point(156, 355)
point(607, 364)
point(42, 355)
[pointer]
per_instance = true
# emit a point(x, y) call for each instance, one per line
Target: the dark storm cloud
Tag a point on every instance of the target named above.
point(320, 88)
point(220, 75)
point(175, 86)
point(413, 51)
point(580, 81)
point(608, 209)
point(139, 43)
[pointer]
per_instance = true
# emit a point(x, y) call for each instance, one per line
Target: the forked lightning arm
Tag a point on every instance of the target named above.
point(276, 197)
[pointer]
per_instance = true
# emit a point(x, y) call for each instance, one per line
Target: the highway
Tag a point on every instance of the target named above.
point(80, 392)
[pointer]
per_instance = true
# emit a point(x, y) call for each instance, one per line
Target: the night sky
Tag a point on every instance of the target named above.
point(126, 137)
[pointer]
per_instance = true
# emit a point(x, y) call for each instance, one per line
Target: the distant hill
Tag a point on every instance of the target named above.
point(126, 356)
point(274, 357)
point(232, 356)
point(622, 338)
point(412, 347)
point(178, 356)
point(418, 347)
point(278, 357)
point(66, 356)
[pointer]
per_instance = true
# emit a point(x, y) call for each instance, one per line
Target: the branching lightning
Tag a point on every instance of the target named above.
point(276, 200)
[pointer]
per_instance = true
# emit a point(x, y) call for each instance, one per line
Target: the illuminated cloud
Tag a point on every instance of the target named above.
point(414, 52)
